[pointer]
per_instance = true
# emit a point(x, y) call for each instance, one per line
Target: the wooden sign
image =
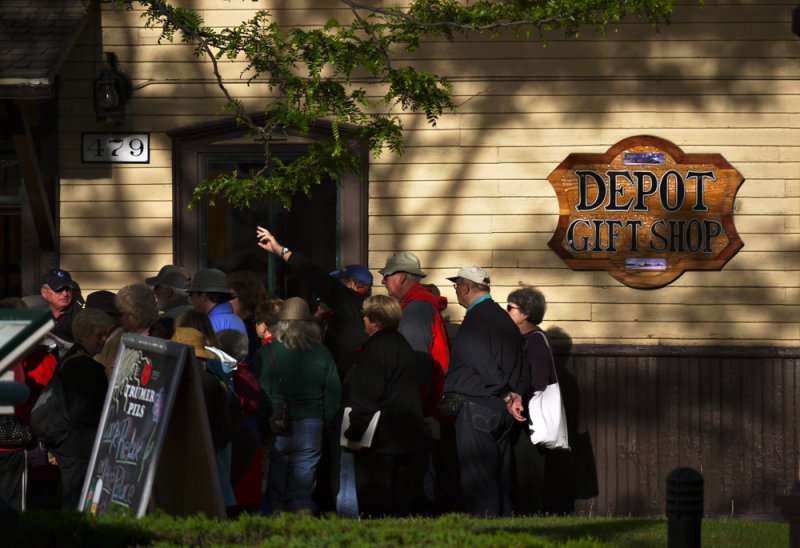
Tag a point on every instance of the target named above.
point(645, 211)
point(154, 408)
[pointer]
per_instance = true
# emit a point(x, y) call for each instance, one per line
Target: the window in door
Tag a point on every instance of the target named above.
point(310, 227)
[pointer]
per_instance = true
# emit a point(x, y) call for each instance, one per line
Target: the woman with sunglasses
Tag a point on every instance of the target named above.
point(527, 306)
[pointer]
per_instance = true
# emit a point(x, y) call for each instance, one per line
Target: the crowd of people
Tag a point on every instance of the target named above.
point(360, 404)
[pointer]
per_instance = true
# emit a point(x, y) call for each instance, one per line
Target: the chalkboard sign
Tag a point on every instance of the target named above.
point(137, 410)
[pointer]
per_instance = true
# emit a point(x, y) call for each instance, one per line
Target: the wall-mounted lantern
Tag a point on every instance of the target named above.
point(112, 90)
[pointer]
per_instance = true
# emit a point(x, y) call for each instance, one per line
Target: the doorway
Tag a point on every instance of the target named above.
point(310, 227)
point(329, 226)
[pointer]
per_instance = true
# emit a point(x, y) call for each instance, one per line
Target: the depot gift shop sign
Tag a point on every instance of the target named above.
point(645, 211)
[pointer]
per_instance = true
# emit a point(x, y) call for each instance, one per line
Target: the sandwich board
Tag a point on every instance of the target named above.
point(153, 446)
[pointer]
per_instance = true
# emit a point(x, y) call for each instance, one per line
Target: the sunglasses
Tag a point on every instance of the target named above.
point(510, 307)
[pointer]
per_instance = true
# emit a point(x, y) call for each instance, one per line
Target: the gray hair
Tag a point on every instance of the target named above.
point(474, 285)
point(138, 299)
point(298, 335)
point(530, 301)
point(87, 320)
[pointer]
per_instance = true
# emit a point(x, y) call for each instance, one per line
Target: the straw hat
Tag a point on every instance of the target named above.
point(192, 337)
point(295, 308)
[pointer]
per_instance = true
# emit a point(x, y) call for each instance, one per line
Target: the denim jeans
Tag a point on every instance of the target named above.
point(224, 470)
point(293, 466)
point(484, 457)
point(347, 500)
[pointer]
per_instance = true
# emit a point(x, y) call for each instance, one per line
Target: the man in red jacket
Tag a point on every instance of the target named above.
point(424, 329)
point(422, 324)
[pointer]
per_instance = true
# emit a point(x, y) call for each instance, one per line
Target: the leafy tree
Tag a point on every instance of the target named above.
point(311, 73)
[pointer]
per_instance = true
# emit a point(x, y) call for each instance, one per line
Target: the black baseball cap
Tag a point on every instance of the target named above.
point(58, 279)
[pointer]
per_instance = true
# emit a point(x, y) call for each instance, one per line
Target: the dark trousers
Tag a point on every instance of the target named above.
point(445, 463)
point(12, 474)
point(328, 469)
point(484, 457)
point(387, 485)
point(527, 472)
point(73, 472)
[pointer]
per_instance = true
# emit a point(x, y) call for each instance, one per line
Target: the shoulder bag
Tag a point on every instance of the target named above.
point(50, 420)
point(280, 417)
point(548, 425)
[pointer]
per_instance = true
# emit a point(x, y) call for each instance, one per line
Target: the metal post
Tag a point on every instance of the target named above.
point(684, 508)
point(790, 508)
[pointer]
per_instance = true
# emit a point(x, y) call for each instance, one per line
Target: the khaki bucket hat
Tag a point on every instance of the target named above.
point(402, 262)
point(295, 309)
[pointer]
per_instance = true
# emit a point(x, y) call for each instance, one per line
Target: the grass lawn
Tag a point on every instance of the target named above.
point(52, 529)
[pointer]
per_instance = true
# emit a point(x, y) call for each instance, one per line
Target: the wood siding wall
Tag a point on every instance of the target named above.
point(721, 78)
point(638, 413)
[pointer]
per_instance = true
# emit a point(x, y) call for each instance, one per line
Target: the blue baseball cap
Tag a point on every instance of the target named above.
point(355, 271)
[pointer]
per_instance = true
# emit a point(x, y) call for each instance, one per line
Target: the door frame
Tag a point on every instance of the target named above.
point(190, 144)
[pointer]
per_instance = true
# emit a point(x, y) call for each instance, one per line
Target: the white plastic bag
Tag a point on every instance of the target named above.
point(546, 410)
point(548, 419)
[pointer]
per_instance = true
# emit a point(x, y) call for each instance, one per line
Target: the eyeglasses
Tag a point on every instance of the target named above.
point(456, 285)
point(510, 307)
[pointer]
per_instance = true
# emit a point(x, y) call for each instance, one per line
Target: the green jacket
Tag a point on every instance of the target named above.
point(309, 380)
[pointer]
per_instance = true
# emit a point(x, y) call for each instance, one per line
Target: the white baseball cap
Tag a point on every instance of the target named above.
point(472, 273)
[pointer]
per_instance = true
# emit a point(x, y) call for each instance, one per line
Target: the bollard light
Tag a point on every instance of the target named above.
point(684, 508)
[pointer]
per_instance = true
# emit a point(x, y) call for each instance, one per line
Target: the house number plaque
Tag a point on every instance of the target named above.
point(115, 148)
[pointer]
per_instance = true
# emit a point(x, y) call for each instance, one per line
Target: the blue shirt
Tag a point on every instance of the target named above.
point(222, 317)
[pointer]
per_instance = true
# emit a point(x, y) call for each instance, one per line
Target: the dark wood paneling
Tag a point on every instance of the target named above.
point(731, 414)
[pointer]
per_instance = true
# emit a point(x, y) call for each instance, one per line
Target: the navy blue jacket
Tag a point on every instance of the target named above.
point(486, 361)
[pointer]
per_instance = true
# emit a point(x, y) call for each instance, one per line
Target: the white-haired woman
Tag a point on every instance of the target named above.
point(296, 368)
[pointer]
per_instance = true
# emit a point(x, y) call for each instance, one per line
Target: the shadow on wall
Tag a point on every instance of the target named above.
point(571, 475)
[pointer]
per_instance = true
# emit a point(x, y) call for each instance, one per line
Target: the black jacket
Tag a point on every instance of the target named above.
point(345, 331)
point(486, 360)
point(85, 386)
point(63, 324)
point(384, 377)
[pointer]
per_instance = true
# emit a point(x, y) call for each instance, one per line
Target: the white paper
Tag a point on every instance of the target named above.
point(369, 433)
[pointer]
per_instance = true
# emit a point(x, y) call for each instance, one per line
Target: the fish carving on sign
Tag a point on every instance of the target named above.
point(645, 211)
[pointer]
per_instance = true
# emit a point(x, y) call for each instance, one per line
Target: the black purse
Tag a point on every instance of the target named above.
point(280, 416)
point(14, 434)
point(450, 404)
